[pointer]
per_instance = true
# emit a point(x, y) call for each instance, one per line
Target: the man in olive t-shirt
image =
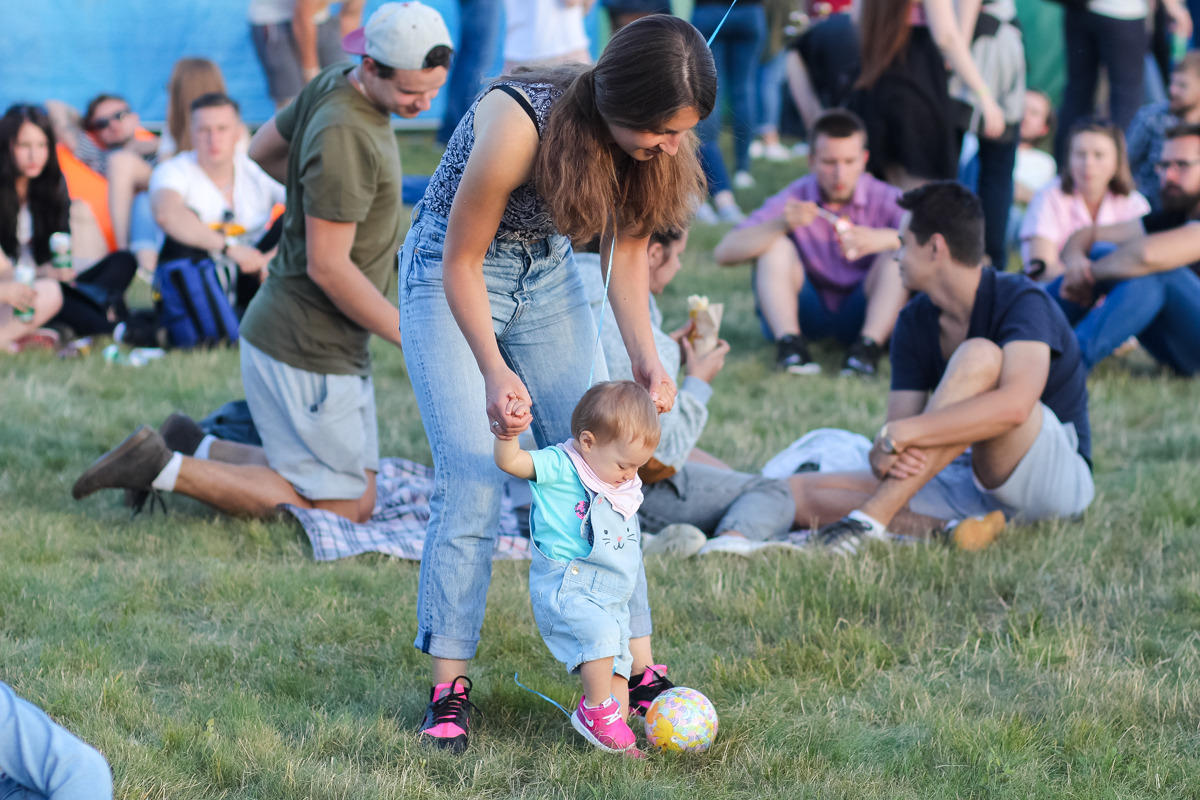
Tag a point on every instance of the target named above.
point(305, 364)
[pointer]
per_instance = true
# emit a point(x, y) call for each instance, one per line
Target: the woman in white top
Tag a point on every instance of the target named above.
point(1096, 188)
point(26, 148)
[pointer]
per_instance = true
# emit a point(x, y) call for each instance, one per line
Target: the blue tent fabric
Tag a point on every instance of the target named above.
point(72, 50)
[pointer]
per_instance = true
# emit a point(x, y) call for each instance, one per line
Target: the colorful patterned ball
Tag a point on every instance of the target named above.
point(683, 720)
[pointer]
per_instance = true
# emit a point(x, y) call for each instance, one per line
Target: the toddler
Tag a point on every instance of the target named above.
point(587, 552)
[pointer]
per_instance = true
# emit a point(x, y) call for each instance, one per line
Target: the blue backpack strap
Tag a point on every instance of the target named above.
point(224, 318)
point(174, 303)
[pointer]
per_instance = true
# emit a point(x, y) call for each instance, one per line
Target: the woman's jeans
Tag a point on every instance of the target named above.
point(544, 328)
point(1091, 40)
point(736, 51)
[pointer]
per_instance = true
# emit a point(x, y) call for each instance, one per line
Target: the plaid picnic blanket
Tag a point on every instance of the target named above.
point(397, 526)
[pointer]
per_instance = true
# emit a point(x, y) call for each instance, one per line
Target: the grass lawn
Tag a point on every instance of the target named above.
point(212, 658)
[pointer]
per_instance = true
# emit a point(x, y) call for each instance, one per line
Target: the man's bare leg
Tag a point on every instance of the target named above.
point(257, 491)
point(974, 368)
point(824, 498)
point(886, 295)
point(778, 279)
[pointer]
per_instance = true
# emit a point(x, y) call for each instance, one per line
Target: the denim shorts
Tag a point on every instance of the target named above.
point(1052, 480)
point(318, 431)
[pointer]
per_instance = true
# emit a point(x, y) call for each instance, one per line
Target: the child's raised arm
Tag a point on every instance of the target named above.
point(508, 453)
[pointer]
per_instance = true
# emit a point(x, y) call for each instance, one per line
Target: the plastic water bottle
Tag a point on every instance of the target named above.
point(137, 357)
point(60, 246)
point(25, 273)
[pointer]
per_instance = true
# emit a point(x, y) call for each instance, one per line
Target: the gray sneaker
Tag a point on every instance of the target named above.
point(680, 540)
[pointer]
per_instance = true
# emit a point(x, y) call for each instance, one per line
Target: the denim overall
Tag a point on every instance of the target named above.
point(582, 606)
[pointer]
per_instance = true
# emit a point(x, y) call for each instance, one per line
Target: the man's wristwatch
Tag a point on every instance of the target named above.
point(887, 444)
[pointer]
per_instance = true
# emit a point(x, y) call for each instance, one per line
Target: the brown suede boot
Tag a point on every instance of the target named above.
point(133, 464)
point(182, 434)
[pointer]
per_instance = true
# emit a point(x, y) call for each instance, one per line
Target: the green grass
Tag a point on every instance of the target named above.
point(212, 658)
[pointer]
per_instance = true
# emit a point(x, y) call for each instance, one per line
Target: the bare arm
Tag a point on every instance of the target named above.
point(747, 244)
point(502, 159)
point(331, 269)
point(513, 460)
point(270, 150)
point(305, 32)
point(1043, 248)
point(350, 15)
point(1080, 243)
point(800, 85)
point(987, 415)
point(967, 12)
point(629, 293)
point(956, 48)
point(1158, 252)
point(181, 224)
point(65, 122)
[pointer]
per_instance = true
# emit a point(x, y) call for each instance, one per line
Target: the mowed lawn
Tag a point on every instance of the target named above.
point(212, 658)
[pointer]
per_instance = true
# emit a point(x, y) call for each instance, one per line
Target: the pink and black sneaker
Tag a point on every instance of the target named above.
point(448, 715)
point(644, 689)
point(604, 727)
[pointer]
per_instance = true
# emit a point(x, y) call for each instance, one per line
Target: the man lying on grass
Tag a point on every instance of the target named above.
point(1005, 432)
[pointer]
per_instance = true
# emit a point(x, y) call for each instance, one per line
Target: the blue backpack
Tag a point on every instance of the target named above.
point(193, 305)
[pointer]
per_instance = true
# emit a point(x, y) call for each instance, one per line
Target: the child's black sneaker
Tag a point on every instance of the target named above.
point(644, 689)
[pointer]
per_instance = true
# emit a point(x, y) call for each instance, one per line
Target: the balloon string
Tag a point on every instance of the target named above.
point(722, 22)
point(516, 675)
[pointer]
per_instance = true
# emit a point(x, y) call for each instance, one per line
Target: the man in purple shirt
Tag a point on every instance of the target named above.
point(823, 254)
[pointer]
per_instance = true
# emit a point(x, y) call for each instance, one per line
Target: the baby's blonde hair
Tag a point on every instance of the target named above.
point(616, 410)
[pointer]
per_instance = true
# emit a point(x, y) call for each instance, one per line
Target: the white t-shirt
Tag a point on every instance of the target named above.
point(1035, 169)
point(275, 12)
point(255, 192)
point(542, 29)
point(1120, 9)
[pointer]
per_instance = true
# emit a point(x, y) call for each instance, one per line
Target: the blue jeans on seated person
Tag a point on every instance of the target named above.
point(546, 334)
point(40, 759)
point(1162, 310)
point(817, 322)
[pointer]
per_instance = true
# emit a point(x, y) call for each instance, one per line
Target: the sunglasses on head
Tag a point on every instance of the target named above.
point(103, 122)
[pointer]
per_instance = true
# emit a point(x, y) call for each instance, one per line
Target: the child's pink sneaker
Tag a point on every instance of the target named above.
point(603, 727)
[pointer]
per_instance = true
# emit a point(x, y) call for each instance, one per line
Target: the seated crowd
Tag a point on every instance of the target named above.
point(987, 413)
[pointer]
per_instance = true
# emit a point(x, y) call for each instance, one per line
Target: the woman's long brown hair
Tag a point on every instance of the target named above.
point(883, 31)
point(190, 78)
point(652, 69)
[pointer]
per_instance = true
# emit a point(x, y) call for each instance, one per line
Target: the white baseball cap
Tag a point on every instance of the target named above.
point(399, 35)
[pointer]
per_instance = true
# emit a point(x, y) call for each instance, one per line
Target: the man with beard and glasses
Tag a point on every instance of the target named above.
point(1147, 132)
point(1144, 270)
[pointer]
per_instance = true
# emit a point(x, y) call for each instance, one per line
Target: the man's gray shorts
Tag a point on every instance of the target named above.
point(1052, 480)
point(318, 431)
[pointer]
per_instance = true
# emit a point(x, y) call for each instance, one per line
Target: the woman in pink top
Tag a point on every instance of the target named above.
point(1096, 188)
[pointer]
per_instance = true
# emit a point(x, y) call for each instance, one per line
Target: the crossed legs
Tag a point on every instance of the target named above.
point(974, 368)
